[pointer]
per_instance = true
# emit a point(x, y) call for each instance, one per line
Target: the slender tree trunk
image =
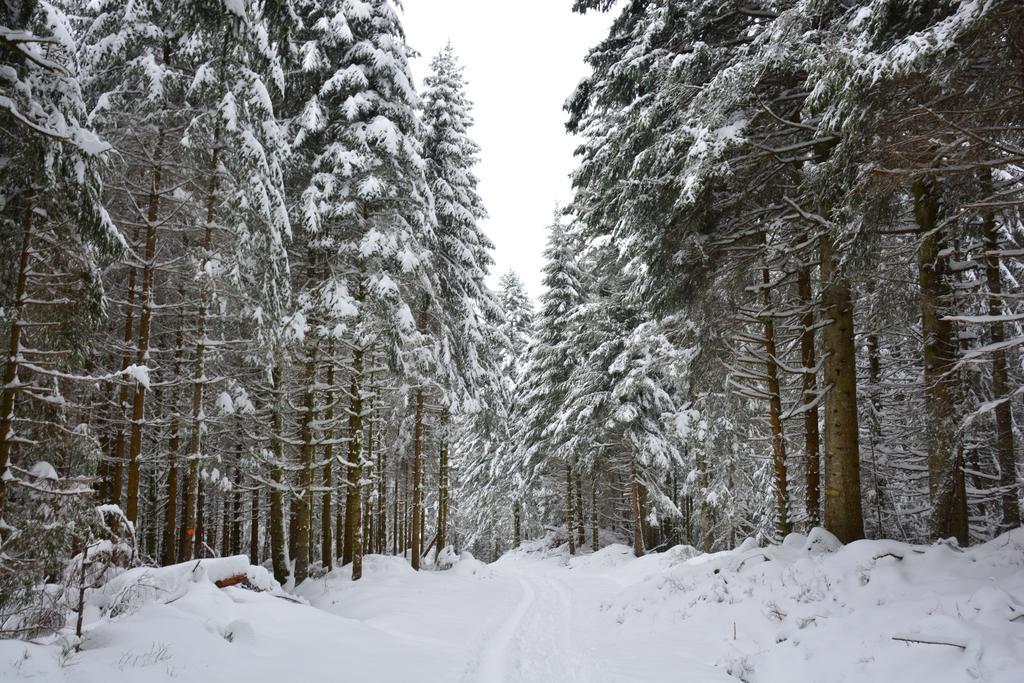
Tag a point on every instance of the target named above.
point(874, 379)
point(581, 517)
point(254, 526)
point(197, 540)
point(171, 549)
point(780, 480)
point(812, 438)
point(569, 517)
point(594, 541)
point(145, 325)
point(1005, 455)
point(395, 519)
point(117, 471)
point(517, 525)
point(236, 507)
point(707, 538)
point(278, 545)
point(326, 512)
point(10, 387)
point(382, 500)
point(354, 503)
point(304, 499)
point(195, 454)
point(638, 528)
point(946, 484)
point(442, 490)
point(843, 515)
point(417, 480)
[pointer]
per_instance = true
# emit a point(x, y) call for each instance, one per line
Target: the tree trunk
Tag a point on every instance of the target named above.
point(145, 325)
point(254, 527)
point(382, 499)
point(326, 511)
point(236, 506)
point(569, 517)
point(874, 379)
point(171, 549)
point(812, 438)
point(278, 545)
point(1005, 455)
point(304, 499)
point(199, 362)
point(517, 529)
point(10, 387)
point(780, 481)
point(638, 530)
point(594, 541)
point(128, 336)
point(581, 521)
point(946, 485)
point(707, 539)
point(417, 480)
point(442, 490)
point(843, 516)
point(197, 540)
point(395, 519)
point(354, 502)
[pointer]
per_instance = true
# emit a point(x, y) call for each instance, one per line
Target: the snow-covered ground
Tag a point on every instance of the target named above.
point(804, 611)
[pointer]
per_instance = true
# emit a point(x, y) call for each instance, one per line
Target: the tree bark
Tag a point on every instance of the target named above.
point(278, 544)
point(326, 511)
point(442, 491)
point(7, 393)
point(1005, 455)
point(354, 502)
point(638, 530)
point(581, 522)
point(517, 528)
point(812, 437)
point(594, 541)
point(171, 549)
point(199, 361)
point(145, 325)
point(417, 479)
point(304, 500)
point(780, 481)
point(843, 515)
point(254, 526)
point(946, 484)
point(569, 516)
point(128, 336)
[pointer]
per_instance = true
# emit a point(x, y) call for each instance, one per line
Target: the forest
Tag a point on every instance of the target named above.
point(249, 309)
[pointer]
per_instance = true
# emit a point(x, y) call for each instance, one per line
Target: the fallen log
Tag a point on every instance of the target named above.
point(232, 581)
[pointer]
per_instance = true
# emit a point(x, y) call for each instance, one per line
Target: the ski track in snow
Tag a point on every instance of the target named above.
point(534, 642)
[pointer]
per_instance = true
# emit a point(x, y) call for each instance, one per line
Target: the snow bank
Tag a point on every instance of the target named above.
point(809, 609)
point(174, 624)
point(814, 610)
point(137, 587)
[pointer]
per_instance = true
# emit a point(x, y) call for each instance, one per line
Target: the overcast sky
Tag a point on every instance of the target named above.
point(523, 59)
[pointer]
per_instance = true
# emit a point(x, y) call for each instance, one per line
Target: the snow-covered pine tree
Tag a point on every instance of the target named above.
point(492, 487)
point(461, 256)
point(366, 206)
point(551, 362)
point(56, 239)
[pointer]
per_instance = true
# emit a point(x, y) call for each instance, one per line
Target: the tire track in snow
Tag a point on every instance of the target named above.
point(535, 643)
point(493, 660)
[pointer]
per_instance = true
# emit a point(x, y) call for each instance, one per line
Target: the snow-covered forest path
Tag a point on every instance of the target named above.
point(807, 610)
point(520, 619)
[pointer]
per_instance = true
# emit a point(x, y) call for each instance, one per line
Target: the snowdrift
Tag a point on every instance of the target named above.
point(809, 610)
point(812, 609)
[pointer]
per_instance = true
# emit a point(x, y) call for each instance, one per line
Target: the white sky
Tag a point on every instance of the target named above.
point(523, 58)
